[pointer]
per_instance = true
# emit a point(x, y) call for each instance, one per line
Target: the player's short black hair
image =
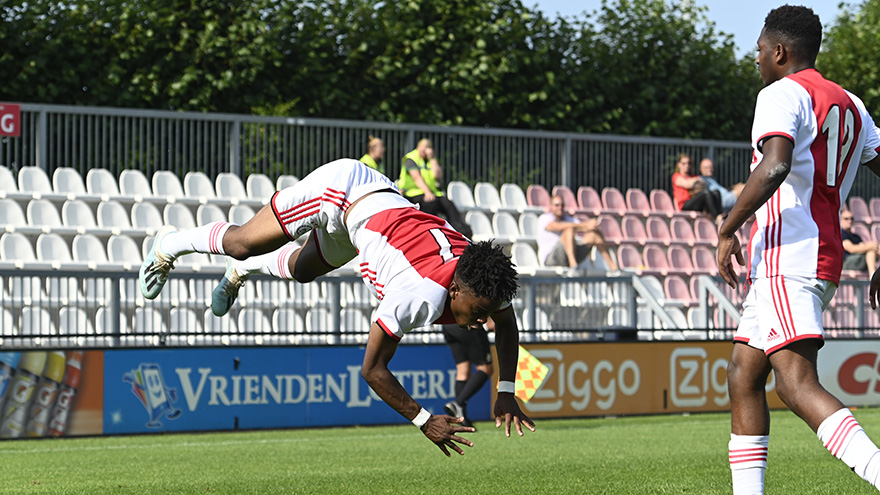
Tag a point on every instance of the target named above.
point(798, 27)
point(485, 270)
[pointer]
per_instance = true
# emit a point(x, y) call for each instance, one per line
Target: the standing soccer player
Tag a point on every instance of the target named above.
point(420, 268)
point(809, 137)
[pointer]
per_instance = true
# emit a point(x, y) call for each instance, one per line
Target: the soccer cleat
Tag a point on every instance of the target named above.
point(225, 293)
point(453, 409)
point(154, 271)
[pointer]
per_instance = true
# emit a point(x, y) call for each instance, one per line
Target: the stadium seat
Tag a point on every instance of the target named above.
point(285, 181)
point(34, 180)
point(542, 320)
point(198, 185)
point(318, 320)
point(352, 320)
point(662, 203)
point(697, 318)
point(633, 230)
point(486, 197)
point(206, 214)
point(41, 213)
point(68, 181)
point(74, 321)
point(52, 248)
point(512, 196)
point(524, 258)
point(260, 188)
point(572, 294)
point(252, 320)
point(184, 321)
point(36, 322)
point(286, 320)
point(112, 215)
point(101, 183)
point(179, 216)
point(628, 258)
point(705, 231)
point(480, 224)
point(148, 321)
point(146, 217)
point(571, 204)
point(240, 214)
point(528, 227)
point(77, 214)
point(875, 232)
point(637, 202)
point(857, 206)
point(588, 200)
point(610, 229)
point(355, 295)
point(229, 186)
point(220, 324)
point(538, 196)
point(658, 231)
point(16, 248)
point(166, 184)
point(8, 185)
point(134, 184)
point(88, 249)
point(874, 209)
point(12, 219)
point(613, 200)
point(680, 261)
point(123, 250)
point(682, 232)
point(703, 260)
point(655, 260)
point(862, 231)
point(505, 228)
point(461, 194)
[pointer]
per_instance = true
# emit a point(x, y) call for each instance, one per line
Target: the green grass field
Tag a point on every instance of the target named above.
point(639, 455)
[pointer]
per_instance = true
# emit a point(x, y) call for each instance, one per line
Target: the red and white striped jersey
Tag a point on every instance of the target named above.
point(407, 259)
point(797, 231)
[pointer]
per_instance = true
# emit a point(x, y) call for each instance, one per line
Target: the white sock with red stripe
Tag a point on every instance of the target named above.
point(204, 239)
point(276, 263)
point(748, 461)
point(844, 437)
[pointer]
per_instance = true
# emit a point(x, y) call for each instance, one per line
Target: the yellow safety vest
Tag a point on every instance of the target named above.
point(406, 183)
point(368, 161)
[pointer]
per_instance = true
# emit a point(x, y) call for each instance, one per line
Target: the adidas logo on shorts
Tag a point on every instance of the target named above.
point(773, 335)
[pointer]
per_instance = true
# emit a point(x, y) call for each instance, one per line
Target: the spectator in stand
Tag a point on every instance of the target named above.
point(420, 177)
point(375, 154)
point(557, 241)
point(690, 192)
point(728, 196)
point(861, 255)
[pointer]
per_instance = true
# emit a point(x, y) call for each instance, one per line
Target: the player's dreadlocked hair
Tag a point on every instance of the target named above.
point(487, 272)
point(798, 27)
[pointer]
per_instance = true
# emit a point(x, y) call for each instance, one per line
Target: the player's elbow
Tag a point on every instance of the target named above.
point(778, 172)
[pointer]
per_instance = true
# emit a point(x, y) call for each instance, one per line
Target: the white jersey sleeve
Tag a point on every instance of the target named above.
point(400, 312)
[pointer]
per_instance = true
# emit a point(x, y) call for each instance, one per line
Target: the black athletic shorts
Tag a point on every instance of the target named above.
point(468, 345)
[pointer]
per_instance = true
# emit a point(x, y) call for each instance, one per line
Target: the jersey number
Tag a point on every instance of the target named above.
point(443, 243)
point(837, 149)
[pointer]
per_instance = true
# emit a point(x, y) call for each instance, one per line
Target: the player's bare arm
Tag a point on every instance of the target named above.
point(762, 183)
point(507, 345)
point(440, 429)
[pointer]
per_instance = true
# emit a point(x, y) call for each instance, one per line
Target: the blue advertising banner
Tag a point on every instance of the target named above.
point(220, 389)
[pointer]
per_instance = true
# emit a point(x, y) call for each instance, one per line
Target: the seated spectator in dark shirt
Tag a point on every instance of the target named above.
point(860, 254)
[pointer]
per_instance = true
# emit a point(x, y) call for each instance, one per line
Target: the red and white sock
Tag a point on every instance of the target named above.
point(204, 239)
point(276, 263)
point(844, 437)
point(748, 462)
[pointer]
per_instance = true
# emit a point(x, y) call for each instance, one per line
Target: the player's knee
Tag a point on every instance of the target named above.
point(485, 368)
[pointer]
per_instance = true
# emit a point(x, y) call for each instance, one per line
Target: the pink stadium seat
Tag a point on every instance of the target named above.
point(676, 289)
point(633, 230)
point(589, 201)
point(628, 258)
point(859, 208)
point(703, 260)
point(862, 231)
point(874, 206)
point(680, 261)
point(661, 203)
point(705, 231)
point(745, 232)
point(681, 231)
point(610, 229)
point(537, 195)
point(875, 232)
point(637, 202)
point(571, 205)
point(658, 231)
point(655, 259)
point(612, 199)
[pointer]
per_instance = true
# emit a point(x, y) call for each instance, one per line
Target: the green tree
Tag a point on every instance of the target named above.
point(848, 51)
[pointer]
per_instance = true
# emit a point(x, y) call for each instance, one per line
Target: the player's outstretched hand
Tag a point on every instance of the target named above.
point(442, 429)
point(507, 409)
point(875, 287)
point(729, 246)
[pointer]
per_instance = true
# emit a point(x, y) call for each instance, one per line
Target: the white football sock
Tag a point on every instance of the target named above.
point(276, 263)
point(844, 437)
point(748, 462)
point(204, 239)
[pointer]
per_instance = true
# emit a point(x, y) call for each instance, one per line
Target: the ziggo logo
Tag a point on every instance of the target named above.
point(858, 374)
